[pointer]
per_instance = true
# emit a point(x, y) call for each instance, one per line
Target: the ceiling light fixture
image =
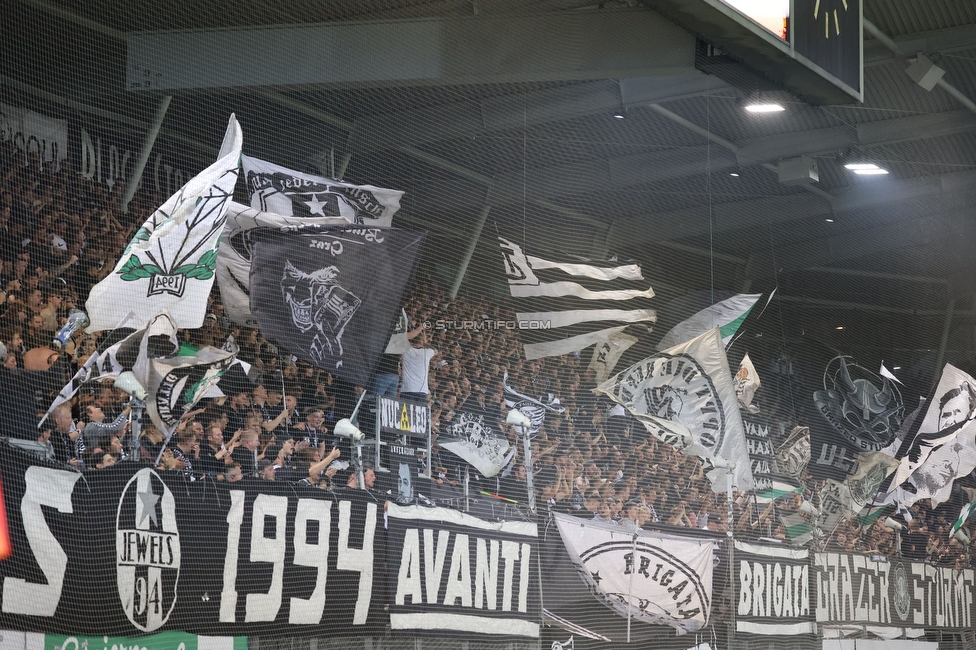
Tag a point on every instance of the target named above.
point(839, 327)
point(866, 169)
point(620, 113)
point(764, 107)
point(829, 220)
point(733, 174)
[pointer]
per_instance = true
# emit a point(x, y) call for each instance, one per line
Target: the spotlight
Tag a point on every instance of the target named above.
point(722, 463)
point(344, 428)
point(518, 419)
point(620, 113)
point(127, 383)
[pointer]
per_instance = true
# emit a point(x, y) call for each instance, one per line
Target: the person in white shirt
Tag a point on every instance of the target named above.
point(415, 364)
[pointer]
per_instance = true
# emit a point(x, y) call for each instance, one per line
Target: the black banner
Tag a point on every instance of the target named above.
point(870, 589)
point(457, 574)
point(320, 294)
point(772, 586)
point(128, 551)
point(402, 416)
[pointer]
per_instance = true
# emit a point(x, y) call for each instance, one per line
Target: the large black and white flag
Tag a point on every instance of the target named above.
point(472, 439)
point(331, 295)
point(566, 305)
point(948, 428)
point(289, 193)
point(650, 577)
point(120, 351)
point(685, 397)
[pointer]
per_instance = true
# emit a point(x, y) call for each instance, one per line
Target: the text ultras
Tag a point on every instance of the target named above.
point(501, 569)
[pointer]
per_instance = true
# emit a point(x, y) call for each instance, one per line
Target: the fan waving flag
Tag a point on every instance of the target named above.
point(289, 193)
point(566, 305)
point(331, 296)
point(120, 352)
point(685, 397)
point(170, 262)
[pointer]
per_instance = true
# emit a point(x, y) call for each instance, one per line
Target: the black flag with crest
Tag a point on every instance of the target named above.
point(329, 295)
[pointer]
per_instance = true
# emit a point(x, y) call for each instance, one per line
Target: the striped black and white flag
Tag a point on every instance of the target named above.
point(564, 304)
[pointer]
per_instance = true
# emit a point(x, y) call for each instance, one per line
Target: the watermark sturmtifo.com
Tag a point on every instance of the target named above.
point(488, 324)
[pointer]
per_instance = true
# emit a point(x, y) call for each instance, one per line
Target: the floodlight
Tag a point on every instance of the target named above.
point(127, 383)
point(518, 419)
point(892, 524)
point(344, 428)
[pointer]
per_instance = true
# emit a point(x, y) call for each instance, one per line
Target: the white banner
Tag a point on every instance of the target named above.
point(685, 397)
point(652, 578)
point(33, 133)
point(170, 262)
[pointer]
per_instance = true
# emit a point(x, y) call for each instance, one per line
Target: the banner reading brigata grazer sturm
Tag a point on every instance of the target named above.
point(331, 296)
point(451, 573)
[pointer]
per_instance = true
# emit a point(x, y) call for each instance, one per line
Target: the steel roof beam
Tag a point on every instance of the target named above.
point(439, 51)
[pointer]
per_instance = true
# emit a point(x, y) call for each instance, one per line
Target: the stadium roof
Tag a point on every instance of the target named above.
point(509, 108)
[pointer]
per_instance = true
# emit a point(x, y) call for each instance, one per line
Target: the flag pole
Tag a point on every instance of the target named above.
point(630, 587)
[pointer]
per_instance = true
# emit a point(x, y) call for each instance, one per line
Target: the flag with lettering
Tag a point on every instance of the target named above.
point(772, 593)
point(291, 193)
point(564, 304)
point(170, 262)
point(649, 577)
point(287, 201)
point(685, 397)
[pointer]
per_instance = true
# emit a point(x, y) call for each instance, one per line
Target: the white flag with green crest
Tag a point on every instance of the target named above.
point(170, 262)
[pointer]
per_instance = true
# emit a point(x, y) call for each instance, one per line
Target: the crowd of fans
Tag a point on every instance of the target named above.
point(60, 233)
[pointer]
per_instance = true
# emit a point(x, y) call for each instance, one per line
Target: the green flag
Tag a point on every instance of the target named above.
point(964, 514)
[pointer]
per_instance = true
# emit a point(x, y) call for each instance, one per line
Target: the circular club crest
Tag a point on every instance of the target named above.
point(900, 597)
point(677, 388)
point(147, 545)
